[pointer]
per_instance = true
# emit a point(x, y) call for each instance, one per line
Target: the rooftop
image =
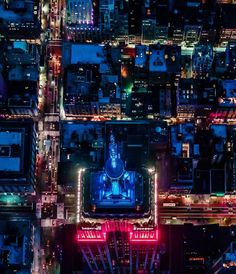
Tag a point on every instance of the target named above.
point(10, 151)
point(16, 155)
point(87, 54)
point(13, 14)
point(14, 243)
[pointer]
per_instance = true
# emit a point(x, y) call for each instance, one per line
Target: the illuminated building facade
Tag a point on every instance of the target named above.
point(121, 199)
point(202, 59)
point(115, 186)
point(228, 24)
point(82, 20)
point(106, 13)
point(195, 97)
point(116, 246)
point(120, 185)
point(80, 12)
point(149, 30)
point(182, 140)
point(230, 57)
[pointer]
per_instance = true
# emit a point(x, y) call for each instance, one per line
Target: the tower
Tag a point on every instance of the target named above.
point(122, 205)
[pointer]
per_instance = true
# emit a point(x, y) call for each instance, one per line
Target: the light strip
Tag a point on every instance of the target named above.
point(155, 198)
point(79, 194)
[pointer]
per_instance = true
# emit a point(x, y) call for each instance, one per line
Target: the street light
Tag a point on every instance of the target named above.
point(155, 198)
point(45, 9)
point(151, 170)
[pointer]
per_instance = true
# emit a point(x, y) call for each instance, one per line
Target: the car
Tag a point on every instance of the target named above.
point(228, 204)
point(44, 165)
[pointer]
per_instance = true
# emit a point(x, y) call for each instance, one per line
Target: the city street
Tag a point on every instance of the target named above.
point(45, 260)
point(117, 136)
point(197, 209)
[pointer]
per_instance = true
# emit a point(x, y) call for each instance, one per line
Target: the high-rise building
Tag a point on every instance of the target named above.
point(82, 20)
point(135, 17)
point(17, 156)
point(121, 199)
point(149, 31)
point(20, 19)
point(230, 59)
point(119, 245)
point(202, 59)
point(106, 15)
point(80, 12)
point(22, 78)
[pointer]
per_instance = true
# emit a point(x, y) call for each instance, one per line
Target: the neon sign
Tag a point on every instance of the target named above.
point(99, 234)
point(91, 236)
point(144, 236)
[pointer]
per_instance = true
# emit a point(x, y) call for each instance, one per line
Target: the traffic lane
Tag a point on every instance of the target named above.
point(51, 126)
point(47, 175)
point(199, 214)
point(38, 170)
point(49, 211)
point(192, 205)
point(46, 185)
point(37, 250)
point(193, 198)
point(50, 97)
point(51, 102)
point(55, 150)
point(198, 210)
point(187, 213)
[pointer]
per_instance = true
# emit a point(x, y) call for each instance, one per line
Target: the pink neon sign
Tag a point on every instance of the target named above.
point(99, 234)
point(91, 236)
point(144, 236)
